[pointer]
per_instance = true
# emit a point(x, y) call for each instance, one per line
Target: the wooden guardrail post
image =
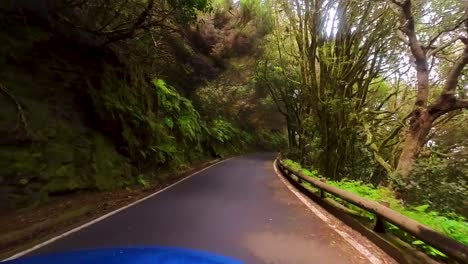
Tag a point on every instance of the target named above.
point(380, 222)
point(322, 192)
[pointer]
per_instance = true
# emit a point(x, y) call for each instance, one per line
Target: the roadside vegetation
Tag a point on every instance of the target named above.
point(450, 224)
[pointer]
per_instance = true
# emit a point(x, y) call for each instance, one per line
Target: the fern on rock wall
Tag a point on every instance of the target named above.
point(158, 125)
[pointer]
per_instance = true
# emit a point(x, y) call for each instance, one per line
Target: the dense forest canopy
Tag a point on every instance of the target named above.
point(373, 91)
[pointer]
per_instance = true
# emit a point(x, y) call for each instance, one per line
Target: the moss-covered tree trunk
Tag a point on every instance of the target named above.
point(423, 115)
point(414, 141)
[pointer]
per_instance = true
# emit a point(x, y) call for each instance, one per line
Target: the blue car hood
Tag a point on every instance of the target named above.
point(141, 255)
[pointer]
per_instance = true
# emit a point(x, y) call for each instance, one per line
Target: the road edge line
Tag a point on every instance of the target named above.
point(53, 239)
point(347, 237)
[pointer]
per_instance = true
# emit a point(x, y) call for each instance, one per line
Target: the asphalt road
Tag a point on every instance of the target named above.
point(238, 208)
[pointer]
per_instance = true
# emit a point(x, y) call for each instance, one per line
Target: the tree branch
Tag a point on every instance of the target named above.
point(442, 47)
point(129, 32)
point(22, 125)
point(461, 104)
point(457, 25)
point(386, 99)
point(454, 74)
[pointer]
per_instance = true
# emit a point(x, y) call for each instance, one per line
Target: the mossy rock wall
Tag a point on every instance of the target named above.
point(53, 151)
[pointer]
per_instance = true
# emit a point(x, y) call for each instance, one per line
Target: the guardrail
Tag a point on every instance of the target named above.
point(448, 246)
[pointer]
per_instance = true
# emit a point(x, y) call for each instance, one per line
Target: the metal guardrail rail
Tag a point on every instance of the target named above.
point(448, 246)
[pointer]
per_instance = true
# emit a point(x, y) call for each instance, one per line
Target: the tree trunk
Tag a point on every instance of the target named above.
point(423, 115)
point(416, 137)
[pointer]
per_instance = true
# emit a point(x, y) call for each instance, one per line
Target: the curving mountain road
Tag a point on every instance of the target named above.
point(237, 208)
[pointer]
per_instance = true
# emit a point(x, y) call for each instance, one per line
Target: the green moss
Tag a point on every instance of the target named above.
point(59, 152)
point(64, 179)
point(65, 171)
point(7, 111)
point(24, 161)
point(19, 166)
point(111, 170)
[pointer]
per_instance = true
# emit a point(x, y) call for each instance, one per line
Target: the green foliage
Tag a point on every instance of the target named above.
point(295, 166)
point(161, 126)
point(446, 194)
point(259, 10)
point(325, 101)
point(222, 130)
point(142, 181)
point(110, 169)
point(224, 138)
point(187, 9)
point(421, 208)
point(158, 124)
point(270, 140)
point(450, 224)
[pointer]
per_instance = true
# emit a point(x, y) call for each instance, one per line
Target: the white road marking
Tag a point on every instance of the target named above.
point(358, 246)
point(24, 252)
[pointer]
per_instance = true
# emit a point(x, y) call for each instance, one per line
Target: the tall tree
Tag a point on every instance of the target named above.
point(340, 48)
point(426, 113)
